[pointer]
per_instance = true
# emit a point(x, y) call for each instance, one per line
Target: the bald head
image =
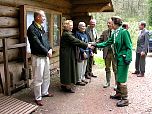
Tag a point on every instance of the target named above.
point(39, 16)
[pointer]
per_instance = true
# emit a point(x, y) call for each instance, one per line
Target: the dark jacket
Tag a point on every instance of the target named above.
point(83, 37)
point(68, 63)
point(38, 40)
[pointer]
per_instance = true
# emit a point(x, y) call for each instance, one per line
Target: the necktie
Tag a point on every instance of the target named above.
point(92, 35)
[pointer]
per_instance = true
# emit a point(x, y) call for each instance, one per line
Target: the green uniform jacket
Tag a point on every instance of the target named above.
point(68, 63)
point(123, 51)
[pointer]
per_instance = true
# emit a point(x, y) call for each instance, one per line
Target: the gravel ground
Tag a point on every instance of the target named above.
point(93, 98)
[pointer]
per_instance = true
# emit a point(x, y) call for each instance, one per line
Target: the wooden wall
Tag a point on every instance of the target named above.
point(9, 26)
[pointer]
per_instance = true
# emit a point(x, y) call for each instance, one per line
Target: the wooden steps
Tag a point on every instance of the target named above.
point(10, 105)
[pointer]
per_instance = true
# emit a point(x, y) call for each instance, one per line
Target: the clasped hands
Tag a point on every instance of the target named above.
point(92, 45)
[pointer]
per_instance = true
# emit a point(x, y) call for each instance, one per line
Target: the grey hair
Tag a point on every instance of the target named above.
point(81, 24)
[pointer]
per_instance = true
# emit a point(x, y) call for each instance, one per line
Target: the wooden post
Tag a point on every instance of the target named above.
point(6, 70)
point(23, 40)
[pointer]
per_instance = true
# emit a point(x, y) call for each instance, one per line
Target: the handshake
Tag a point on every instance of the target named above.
point(92, 45)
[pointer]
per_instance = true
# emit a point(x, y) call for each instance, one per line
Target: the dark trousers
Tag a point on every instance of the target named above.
point(89, 66)
point(140, 63)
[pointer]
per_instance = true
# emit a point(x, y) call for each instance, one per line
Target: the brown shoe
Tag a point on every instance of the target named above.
point(39, 102)
point(48, 95)
point(136, 72)
point(140, 75)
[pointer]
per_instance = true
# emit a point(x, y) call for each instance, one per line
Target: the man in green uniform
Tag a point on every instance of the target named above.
point(123, 54)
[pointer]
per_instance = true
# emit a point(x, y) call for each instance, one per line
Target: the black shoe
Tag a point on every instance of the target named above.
point(86, 82)
point(122, 103)
point(93, 76)
point(69, 90)
point(81, 83)
point(136, 72)
point(87, 77)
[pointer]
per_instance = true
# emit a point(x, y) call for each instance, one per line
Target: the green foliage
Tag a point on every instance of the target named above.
point(99, 61)
point(131, 11)
point(150, 13)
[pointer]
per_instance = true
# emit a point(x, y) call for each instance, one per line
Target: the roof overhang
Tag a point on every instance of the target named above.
point(80, 6)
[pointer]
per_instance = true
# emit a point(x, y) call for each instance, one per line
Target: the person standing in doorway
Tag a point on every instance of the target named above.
point(108, 54)
point(92, 35)
point(141, 50)
point(41, 52)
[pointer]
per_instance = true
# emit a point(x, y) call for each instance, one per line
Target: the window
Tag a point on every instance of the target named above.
point(52, 24)
point(56, 29)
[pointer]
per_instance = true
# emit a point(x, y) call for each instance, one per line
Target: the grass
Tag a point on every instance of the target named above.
point(99, 61)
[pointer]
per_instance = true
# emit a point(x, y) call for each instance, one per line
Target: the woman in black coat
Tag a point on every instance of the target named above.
point(68, 63)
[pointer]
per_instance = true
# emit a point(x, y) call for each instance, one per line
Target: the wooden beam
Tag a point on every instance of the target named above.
point(7, 22)
point(7, 11)
point(76, 14)
point(13, 55)
point(6, 70)
point(8, 32)
point(16, 46)
point(50, 4)
point(87, 2)
point(62, 3)
point(88, 8)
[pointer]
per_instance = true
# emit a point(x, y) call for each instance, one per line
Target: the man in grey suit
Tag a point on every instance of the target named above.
point(108, 54)
point(92, 36)
point(141, 50)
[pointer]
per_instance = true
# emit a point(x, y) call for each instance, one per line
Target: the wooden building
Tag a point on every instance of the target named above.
point(15, 17)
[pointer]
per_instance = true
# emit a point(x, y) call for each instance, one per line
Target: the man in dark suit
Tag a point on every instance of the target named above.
point(108, 54)
point(92, 36)
point(141, 50)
